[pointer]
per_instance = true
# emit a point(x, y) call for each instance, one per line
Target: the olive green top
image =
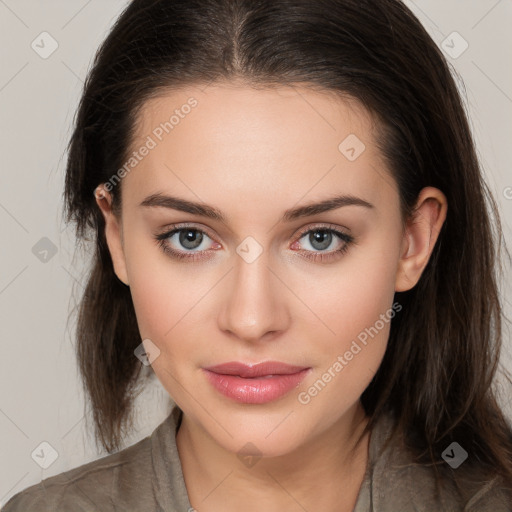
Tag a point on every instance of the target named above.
point(147, 477)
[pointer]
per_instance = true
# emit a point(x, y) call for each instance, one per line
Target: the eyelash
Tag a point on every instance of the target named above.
point(196, 256)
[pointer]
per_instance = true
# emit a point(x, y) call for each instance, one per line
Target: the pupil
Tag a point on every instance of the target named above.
point(191, 238)
point(322, 237)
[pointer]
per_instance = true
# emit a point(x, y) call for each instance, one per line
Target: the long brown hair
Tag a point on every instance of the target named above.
point(437, 376)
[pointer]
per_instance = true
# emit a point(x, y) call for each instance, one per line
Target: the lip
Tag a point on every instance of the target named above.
point(255, 384)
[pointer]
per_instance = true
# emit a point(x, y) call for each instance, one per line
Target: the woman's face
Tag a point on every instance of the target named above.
point(261, 284)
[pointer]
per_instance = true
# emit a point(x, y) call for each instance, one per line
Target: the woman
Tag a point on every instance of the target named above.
point(293, 231)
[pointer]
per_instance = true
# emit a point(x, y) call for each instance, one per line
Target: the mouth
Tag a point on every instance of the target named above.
point(255, 384)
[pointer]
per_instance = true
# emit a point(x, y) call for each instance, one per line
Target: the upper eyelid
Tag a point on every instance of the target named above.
point(325, 226)
point(303, 231)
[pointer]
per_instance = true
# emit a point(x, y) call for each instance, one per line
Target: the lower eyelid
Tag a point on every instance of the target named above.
point(343, 237)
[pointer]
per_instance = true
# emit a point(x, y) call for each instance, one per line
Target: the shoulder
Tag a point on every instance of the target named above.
point(398, 483)
point(103, 484)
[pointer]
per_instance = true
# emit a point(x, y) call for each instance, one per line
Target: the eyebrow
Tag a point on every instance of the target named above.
point(204, 210)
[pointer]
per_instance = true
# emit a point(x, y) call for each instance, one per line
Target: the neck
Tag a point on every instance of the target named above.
point(323, 474)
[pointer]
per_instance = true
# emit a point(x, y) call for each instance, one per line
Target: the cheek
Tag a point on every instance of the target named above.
point(356, 309)
point(352, 297)
point(165, 303)
point(158, 288)
point(164, 298)
point(169, 300)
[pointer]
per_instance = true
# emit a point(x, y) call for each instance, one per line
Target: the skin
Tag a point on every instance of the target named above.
point(253, 154)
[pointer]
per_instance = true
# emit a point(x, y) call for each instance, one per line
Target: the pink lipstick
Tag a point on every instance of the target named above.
point(255, 384)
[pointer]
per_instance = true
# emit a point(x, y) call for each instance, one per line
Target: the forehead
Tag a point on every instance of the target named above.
point(253, 144)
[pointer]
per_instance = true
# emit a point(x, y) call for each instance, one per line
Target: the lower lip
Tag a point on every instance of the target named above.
point(257, 390)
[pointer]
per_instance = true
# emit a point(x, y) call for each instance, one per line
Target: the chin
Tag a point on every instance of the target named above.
point(269, 435)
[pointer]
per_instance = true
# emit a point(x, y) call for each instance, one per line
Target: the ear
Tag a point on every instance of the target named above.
point(113, 233)
point(421, 233)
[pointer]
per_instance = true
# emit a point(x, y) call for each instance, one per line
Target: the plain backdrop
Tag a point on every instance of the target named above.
point(40, 394)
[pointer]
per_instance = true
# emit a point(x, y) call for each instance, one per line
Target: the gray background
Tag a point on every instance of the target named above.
point(40, 395)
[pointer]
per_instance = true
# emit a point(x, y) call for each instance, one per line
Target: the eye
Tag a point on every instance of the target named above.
point(321, 238)
point(185, 237)
point(188, 242)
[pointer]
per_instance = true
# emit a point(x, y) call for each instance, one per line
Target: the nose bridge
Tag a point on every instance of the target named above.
point(254, 304)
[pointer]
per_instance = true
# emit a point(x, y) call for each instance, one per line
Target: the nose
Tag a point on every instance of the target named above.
point(255, 306)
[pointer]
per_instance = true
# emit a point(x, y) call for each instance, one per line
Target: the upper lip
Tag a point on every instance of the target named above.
point(255, 370)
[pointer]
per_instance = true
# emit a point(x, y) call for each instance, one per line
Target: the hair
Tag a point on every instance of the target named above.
point(437, 377)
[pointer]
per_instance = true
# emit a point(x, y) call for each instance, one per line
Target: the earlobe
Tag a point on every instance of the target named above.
point(113, 233)
point(420, 237)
